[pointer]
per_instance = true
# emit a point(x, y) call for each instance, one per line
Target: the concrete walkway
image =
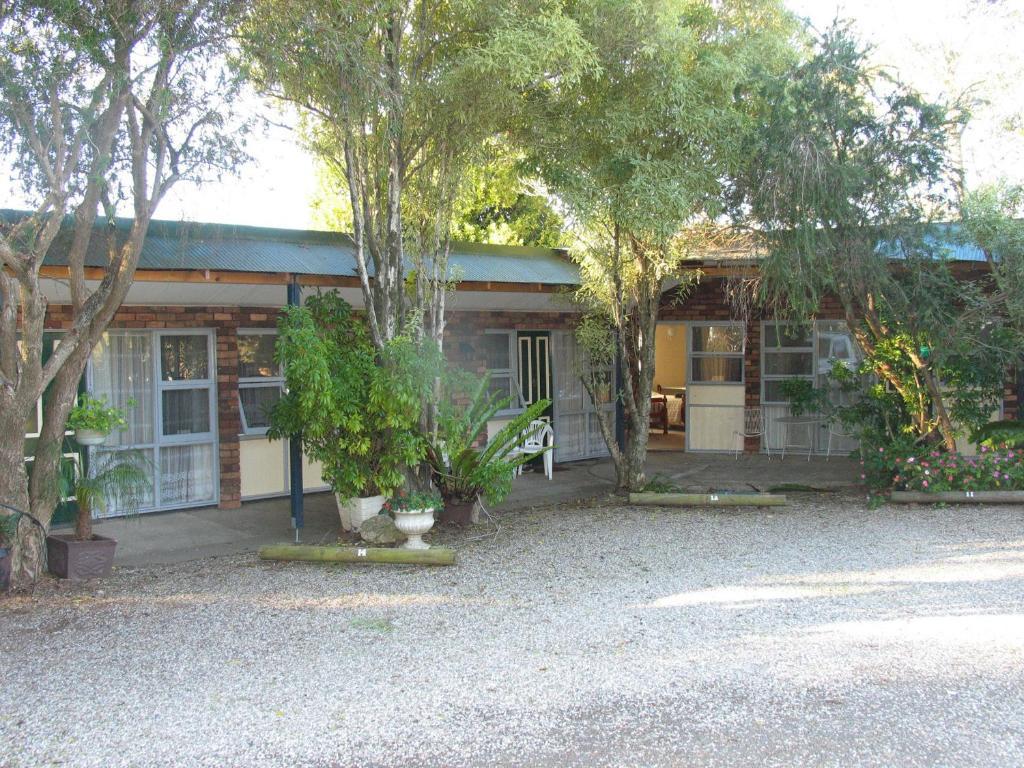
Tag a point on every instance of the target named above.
point(174, 537)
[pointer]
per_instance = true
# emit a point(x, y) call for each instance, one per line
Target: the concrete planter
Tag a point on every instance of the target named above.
point(77, 560)
point(957, 497)
point(90, 437)
point(354, 512)
point(414, 523)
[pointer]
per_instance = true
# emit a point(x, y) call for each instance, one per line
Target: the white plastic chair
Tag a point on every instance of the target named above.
point(837, 433)
point(538, 436)
point(753, 426)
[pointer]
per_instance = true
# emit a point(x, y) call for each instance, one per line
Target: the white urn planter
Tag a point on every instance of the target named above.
point(414, 523)
point(354, 512)
point(90, 436)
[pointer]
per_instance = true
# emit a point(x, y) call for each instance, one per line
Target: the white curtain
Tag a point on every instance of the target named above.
point(186, 474)
point(122, 371)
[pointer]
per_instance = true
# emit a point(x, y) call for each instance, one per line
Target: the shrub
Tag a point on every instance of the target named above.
point(993, 469)
point(354, 408)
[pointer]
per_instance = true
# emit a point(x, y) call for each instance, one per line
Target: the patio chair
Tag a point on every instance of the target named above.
point(538, 436)
point(753, 426)
point(837, 433)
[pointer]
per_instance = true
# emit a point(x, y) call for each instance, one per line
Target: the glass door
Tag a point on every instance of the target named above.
point(577, 432)
point(187, 410)
point(806, 352)
point(164, 381)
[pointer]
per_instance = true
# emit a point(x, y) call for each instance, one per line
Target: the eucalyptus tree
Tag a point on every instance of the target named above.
point(399, 97)
point(851, 171)
point(103, 103)
point(637, 151)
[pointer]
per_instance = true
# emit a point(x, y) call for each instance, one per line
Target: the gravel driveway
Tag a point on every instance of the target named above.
point(822, 634)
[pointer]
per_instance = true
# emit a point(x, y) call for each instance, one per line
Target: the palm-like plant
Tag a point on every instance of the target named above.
point(121, 477)
point(461, 471)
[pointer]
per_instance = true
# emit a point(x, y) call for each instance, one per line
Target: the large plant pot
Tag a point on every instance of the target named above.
point(355, 512)
point(90, 437)
point(5, 569)
point(77, 560)
point(414, 524)
point(458, 512)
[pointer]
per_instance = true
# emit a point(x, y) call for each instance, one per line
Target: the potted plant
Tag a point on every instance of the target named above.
point(414, 515)
point(354, 408)
point(463, 471)
point(122, 476)
point(93, 419)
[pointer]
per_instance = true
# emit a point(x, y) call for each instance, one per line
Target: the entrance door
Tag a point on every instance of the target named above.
point(535, 368)
point(166, 383)
point(577, 434)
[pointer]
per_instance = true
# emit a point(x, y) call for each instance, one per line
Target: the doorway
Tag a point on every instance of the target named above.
point(668, 395)
point(534, 349)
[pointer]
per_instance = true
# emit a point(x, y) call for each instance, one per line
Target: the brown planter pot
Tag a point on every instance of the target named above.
point(77, 560)
point(457, 512)
point(5, 570)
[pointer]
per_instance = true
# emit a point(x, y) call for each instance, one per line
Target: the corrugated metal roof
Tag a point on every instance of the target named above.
point(172, 245)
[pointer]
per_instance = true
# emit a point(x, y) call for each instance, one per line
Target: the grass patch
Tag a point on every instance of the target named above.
point(661, 484)
point(375, 625)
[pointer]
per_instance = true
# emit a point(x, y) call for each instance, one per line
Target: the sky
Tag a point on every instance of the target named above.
point(938, 46)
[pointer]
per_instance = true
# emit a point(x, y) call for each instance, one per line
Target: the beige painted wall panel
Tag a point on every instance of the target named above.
point(312, 479)
point(716, 394)
point(670, 355)
point(964, 444)
point(263, 467)
point(714, 414)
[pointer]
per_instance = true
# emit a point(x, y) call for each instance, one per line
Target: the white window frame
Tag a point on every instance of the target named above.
point(256, 382)
point(160, 441)
point(766, 350)
point(209, 384)
point(691, 355)
point(512, 372)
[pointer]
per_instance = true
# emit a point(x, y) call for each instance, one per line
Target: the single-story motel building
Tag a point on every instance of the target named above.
point(193, 343)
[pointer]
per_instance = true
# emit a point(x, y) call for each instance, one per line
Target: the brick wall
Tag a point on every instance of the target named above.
point(225, 321)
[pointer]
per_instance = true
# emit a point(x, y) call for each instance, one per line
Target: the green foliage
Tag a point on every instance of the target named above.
point(121, 478)
point(355, 409)
point(661, 484)
point(992, 221)
point(8, 528)
point(804, 397)
point(404, 501)
point(494, 205)
point(993, 469)
point(636, 151)
point(400, 99)
point(997, 433)
point(849, 171)
point(94, 414)
point(460, 470)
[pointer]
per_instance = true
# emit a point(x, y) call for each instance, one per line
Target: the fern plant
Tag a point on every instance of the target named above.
point(460, 470)
point(121, 477)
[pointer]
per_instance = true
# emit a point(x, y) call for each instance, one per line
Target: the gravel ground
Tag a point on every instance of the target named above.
point(822, 634)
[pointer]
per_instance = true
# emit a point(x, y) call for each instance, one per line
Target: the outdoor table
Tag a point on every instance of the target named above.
point(789, 422)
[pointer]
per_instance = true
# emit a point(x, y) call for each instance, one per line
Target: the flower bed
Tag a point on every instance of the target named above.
point(998, 469)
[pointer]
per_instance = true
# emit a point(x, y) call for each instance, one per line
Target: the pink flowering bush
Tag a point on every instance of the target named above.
point(993, 469)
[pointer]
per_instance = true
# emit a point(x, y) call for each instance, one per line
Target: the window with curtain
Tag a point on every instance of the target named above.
point(164, 381)
point(259, 380)
point(716, 353)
